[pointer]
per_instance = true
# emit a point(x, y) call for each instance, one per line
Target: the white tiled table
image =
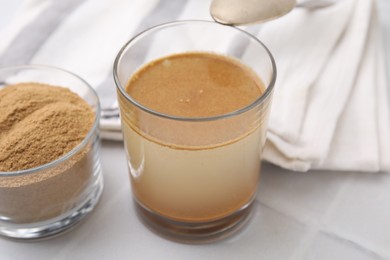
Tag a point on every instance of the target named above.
point(316, 215)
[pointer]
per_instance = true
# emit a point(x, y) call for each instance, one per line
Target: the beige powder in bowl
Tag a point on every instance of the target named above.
point(39, 124)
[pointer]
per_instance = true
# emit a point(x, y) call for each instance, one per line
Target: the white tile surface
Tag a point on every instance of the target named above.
point(306, 196)
point(353, 207)
point(326, 247)
point(362, 214)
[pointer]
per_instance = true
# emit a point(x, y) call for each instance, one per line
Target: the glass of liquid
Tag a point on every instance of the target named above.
point(194, 99)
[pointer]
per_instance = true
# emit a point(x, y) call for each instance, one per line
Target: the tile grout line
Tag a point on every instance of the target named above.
point(356, 245)
point(311, 224)
point(327, 230)
point(321, 225)
point(306, 242)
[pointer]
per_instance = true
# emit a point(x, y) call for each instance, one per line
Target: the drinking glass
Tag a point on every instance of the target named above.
point(194, 179)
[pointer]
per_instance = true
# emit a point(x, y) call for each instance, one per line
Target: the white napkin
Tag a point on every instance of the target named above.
point(330, 107)
point(326, 108)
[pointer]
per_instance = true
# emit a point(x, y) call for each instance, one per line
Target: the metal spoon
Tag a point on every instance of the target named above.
point(242, 12)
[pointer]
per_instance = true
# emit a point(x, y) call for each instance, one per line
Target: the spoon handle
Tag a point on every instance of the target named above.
point(313, 5)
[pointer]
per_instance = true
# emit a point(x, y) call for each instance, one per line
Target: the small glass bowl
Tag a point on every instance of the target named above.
point(47, 200)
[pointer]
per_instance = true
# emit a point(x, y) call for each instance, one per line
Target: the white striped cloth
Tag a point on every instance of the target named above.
point(330, 107)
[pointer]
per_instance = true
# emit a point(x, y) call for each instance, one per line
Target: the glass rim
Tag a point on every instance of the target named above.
point(248, 107)
point(78, 147)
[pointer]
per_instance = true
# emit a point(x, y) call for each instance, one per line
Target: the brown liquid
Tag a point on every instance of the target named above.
point(193, 172)
point(195, 85)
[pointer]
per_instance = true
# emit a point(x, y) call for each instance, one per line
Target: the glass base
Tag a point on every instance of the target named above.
point(194, 233)
point(55, 226)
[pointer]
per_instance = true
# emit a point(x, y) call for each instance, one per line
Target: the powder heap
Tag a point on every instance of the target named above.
point(40, 123)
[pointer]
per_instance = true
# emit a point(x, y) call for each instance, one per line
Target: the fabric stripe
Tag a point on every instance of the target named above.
point(30, 39)
point(238, 50)
point(164, 11)
point(29, 11)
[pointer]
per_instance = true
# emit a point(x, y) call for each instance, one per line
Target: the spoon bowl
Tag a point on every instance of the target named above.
point(236, 12)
